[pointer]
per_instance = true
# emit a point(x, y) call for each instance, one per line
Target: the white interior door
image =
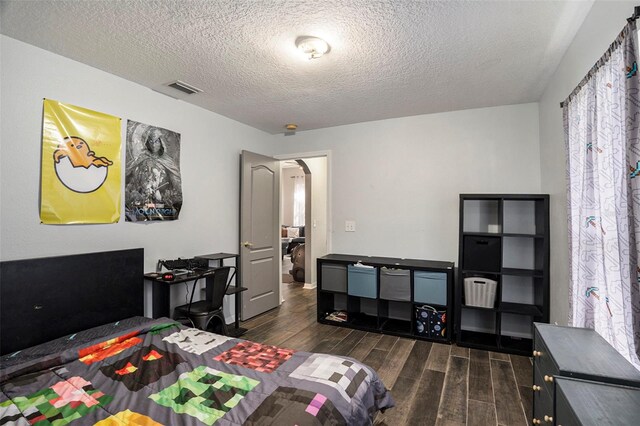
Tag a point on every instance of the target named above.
point(259, 236)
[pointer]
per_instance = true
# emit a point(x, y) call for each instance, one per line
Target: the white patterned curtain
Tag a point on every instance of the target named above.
point(298, 201)
point(601, 120)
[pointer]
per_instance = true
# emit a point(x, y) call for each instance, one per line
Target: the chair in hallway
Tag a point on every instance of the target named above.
point(201, 313)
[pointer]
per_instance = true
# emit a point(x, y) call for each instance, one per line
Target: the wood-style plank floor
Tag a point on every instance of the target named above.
point(431, 383)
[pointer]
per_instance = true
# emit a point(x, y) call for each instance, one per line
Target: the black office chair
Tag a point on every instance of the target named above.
point(201, 313)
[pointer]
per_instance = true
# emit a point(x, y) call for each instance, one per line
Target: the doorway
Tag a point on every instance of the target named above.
point(293, 203)
point(304, 177)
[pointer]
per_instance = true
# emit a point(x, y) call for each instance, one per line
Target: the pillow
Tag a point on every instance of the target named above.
point(293, 232)
point(283, 232)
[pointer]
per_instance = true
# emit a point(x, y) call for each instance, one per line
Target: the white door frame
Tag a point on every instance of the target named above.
point(303, 156)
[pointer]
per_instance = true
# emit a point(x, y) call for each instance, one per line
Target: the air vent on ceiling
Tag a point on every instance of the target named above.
point(184, 87)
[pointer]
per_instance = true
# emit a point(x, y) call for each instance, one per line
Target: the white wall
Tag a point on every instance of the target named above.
point(400, 179)
point(210, 146)
point(600, 28)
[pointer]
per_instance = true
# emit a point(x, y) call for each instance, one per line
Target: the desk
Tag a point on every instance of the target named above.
point(160, 290)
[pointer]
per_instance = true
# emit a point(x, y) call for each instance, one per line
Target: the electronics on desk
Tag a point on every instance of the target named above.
point(182, 266)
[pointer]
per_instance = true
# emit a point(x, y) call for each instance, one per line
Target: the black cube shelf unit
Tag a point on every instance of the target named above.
point(504, 238)
point(402, 297)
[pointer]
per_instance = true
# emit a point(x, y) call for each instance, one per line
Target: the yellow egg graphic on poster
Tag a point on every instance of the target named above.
point(77, 167)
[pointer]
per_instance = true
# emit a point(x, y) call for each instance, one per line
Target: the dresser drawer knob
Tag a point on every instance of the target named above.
point(548, 379)
point(548, 419)
point(537, 353)
point(536, 421)
point(536, 388)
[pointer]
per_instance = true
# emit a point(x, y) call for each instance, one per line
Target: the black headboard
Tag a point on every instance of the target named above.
point(46, 298)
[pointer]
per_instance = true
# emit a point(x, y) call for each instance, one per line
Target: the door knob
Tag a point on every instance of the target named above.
point(246, 244)
point(536, 388)
point(548, 379)
point(548, 419)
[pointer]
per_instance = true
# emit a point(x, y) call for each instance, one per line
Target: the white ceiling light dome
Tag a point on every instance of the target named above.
point(312, 47)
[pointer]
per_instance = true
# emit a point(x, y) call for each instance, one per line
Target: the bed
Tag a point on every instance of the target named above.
point(135, 370)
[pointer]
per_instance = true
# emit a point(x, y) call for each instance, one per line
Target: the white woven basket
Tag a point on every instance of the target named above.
point(480, 292)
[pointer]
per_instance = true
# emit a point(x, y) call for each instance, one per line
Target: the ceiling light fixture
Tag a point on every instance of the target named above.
point(290, 129)
point(312, 47)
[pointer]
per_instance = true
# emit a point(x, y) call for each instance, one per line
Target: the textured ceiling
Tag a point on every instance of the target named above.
point(388, 58)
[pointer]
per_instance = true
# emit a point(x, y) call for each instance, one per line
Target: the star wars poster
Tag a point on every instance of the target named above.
point(153, 189)
point(80, 179)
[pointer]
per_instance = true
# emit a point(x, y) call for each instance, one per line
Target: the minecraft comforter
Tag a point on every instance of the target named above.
point(164, 373)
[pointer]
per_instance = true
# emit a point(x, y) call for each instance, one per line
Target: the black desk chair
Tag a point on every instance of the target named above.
point(201, 313)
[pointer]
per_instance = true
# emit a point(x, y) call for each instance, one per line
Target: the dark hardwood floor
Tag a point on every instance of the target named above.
point(432, 383)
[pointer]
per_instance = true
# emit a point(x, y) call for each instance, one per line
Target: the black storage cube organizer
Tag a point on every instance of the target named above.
point(482, 254)
point(431, 322)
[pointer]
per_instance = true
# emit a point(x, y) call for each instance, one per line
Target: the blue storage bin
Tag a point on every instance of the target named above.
point(430, 287)
point(361, 282)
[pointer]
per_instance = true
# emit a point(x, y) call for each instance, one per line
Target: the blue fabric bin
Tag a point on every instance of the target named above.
point(430, 287)
point(361, 282)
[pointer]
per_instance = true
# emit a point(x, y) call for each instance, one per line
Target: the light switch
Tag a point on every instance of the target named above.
point(350, 225)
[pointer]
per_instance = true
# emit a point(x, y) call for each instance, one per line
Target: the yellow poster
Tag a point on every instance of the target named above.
point(80, 165)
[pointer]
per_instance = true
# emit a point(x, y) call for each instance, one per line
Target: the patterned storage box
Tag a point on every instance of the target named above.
point(431, 322)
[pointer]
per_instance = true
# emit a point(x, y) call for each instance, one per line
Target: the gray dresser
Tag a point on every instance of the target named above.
point(575, 353)
point(581, 402)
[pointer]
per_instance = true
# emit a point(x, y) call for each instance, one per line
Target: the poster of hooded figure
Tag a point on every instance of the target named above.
point(153, 188)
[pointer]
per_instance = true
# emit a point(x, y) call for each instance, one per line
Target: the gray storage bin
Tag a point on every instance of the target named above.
point(334, 277)
point(430, 287)
point(362, 281)
point(395, 284)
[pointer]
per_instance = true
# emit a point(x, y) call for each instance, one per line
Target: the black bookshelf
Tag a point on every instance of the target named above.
point(503, 238)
